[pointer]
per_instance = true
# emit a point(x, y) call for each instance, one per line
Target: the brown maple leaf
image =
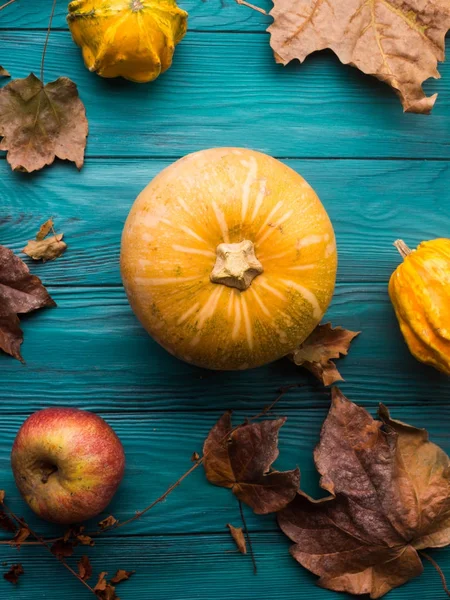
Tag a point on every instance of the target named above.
point(241, 460)
point(4, 72)
point(39, 123)
point(84, 568)
point(14, 573)
point(316, 352)
point(20, 292)
point(238, 536)
point(398, 41)
point(121, 575)
point(390, 498)
point(48, 249)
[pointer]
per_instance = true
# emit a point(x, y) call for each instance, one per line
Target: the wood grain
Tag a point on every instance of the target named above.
point(369, 204)
point(91, 352)
point(226, 90)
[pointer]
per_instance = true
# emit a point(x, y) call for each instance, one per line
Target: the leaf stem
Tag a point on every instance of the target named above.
point(46, 40)
point(7, 4)
point(438, 569)
point(247, 535)
point(252, 6)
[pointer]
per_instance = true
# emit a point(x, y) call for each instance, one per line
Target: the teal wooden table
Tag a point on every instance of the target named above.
point(381, 175)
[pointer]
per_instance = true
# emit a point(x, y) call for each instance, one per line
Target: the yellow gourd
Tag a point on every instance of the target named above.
point(228, 259)
point(420, 292)
point(134, 39)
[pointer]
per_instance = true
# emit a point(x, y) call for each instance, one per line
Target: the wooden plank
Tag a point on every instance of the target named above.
point(158, 449)
point(195, 568)
point(204, 15)
point(91, 352)
point(227, 90)
point(368, 201)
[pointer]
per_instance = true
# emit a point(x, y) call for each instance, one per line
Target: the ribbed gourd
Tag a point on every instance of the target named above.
point(134, 39)
point(228, 259)
point(420, 291)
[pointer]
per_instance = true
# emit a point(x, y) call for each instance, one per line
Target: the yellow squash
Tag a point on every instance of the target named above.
point(134, 39)
point(228, 259)
point(420, 292)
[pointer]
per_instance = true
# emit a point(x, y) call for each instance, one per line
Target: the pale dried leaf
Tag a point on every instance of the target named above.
point(238, 536)
point(398, 41)
point(48, 249)
point(39, 123)
point(44, 229)
point(108, 522)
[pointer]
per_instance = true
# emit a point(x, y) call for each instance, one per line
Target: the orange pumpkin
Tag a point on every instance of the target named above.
point(420, 293)
point(228, 259)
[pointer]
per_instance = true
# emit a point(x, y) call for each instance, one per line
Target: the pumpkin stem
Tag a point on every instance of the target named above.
point(236, 265)
point(402, 248)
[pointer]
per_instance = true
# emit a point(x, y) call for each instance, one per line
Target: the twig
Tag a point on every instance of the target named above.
point(247, 535)
point(7, 4)
point(44, 543)
point(438, 569)
point(139, 514)
point(252, 6)
point(46, 39)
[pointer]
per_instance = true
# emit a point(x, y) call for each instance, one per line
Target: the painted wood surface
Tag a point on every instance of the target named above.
point(380, 174)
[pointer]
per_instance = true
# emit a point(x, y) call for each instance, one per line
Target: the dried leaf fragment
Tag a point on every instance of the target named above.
point(14, 573)
point(108, 522)
point(316, 352)
point(4, 72)
point(48, 249)
point(84, 568)
point(62, 549)
point(21, 535)
point(241, 460)
point(121, 575)
point(39, 123)
point(238, 536)
point(44, 229)
point(195, 457)
point(390, 497)
point(398, 41)
point(85, 540)
point(103, 589)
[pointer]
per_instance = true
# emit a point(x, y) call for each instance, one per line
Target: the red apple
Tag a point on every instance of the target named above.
point(67, 464)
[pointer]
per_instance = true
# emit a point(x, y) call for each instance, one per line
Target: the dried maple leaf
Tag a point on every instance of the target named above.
point(121, 575)
point(62, 549)
point(390, 498)
point(238, 536)
point(398, 41)
point(320, 347)
point(21, 535)
point(108, 522)
point(241, 459)
point(48, 249)
point(44, 229)
point(14, 573)
point(39, 123)
point(20, 292)
point(84, 568)
point(4, 72)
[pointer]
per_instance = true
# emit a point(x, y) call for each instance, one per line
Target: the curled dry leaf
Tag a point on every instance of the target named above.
point(20, 292)
point(390, 498)
point(103, 589)
point(44, 229)
point(62, 549)
point(121, 575)
point(39, 123)
point(4, 72)
point(241, 460)
point(238, 536)
point(195, 457)
point(85, 540)
point(14, 573)
point(398, 41)
point(21, 535)
point(49, 249)
point(84, 568)
point(320, 347)
point(108, 522)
